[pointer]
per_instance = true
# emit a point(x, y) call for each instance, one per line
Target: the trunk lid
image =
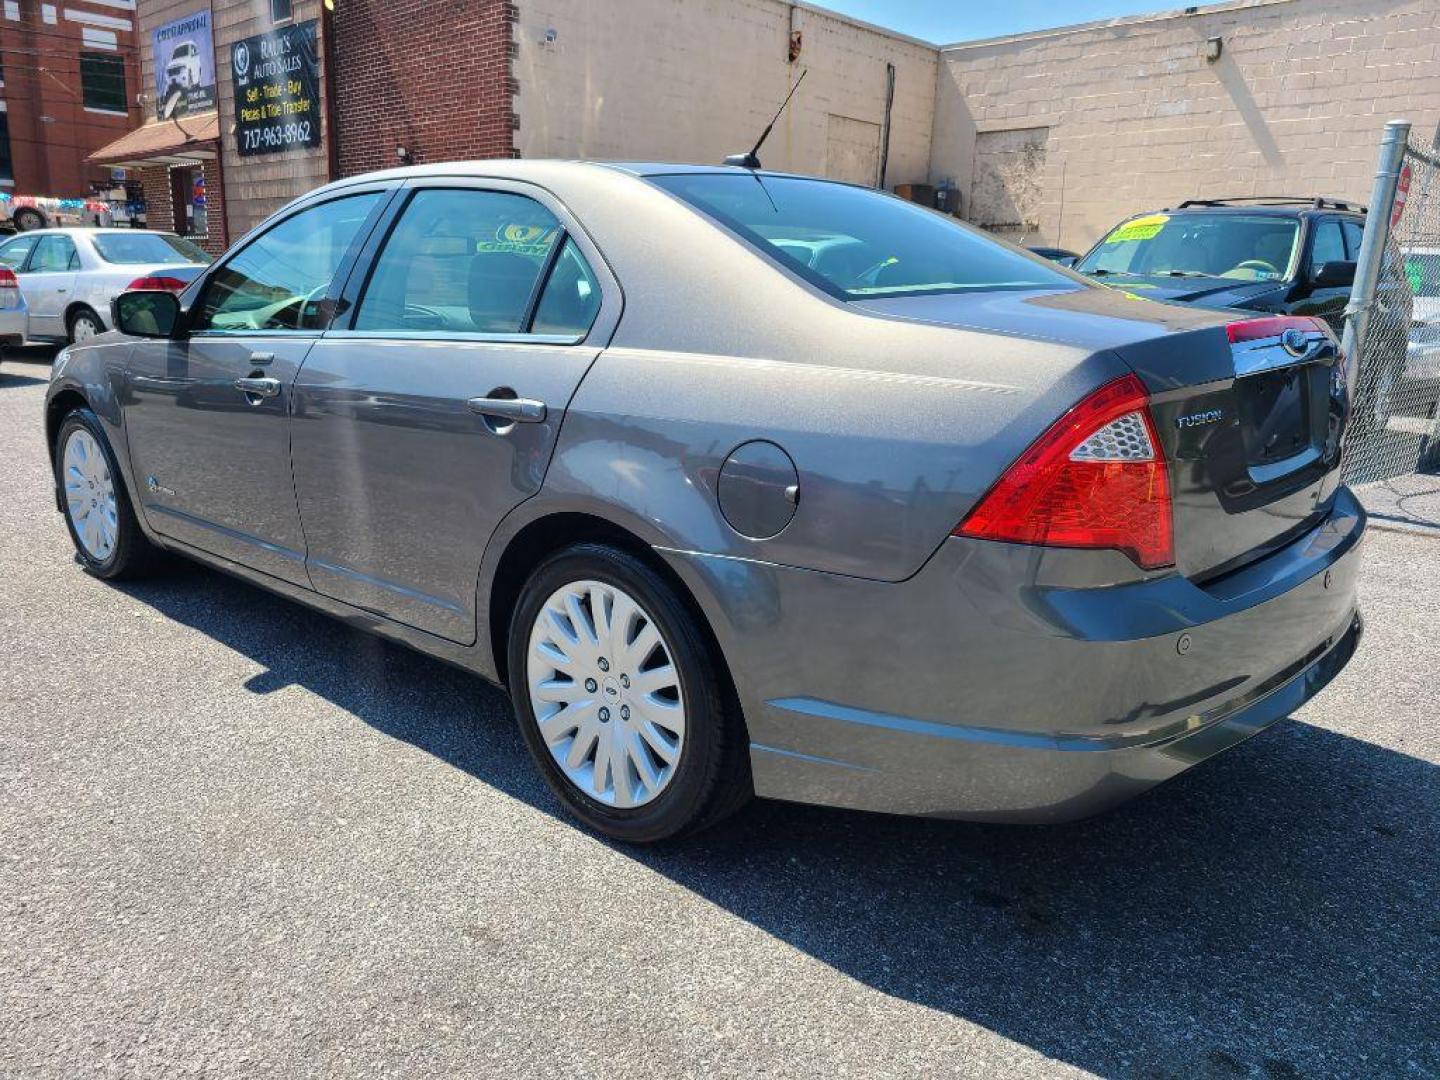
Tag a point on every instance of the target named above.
point(1251, 429)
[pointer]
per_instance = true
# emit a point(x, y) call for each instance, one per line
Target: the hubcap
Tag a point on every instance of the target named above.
point(84, 329)
point(89, 495)
point(605, 693)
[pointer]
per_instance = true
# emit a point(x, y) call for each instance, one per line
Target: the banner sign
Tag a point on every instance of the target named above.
point(277, 90)
point(184, 55)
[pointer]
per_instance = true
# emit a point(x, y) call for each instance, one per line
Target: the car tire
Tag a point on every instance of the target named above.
point(708, 775)
point(112, 546)
point(83, 325)
point(28, 219)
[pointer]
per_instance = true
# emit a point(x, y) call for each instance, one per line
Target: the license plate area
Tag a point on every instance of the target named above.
point(1277, 415)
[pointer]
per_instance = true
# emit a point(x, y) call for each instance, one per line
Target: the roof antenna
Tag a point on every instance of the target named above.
point(750, 161)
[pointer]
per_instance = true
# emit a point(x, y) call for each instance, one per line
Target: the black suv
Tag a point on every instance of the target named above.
point(1291, 256)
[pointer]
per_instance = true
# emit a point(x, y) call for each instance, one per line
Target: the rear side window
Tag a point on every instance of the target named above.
point(54, 254)
point(280, 280)
point(571, 298)
point(858, 244)
point(464, 261)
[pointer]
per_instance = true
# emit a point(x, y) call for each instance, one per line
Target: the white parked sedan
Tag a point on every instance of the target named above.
point(69, 276)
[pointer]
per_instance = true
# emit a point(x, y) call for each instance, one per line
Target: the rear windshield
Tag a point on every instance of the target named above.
point(1244, 247)
point(859, 244)
point(140, 247)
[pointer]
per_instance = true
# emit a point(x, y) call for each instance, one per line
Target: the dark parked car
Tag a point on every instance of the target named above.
point(1057, 255)
point(741, 483)
point(1278, 255)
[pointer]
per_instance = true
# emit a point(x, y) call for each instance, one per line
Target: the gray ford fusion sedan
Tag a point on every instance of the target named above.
point(742, 483)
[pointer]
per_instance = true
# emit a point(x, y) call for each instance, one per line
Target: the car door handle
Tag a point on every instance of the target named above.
point(517, 410)
point(257, 387)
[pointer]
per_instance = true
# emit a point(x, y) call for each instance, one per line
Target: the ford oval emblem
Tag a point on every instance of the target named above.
point(1294, 342)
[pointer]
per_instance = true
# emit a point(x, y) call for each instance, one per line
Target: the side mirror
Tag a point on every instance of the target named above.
point(1334, 275)
point(148, 313)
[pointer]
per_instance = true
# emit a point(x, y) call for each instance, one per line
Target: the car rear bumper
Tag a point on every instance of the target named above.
point(1022, 684)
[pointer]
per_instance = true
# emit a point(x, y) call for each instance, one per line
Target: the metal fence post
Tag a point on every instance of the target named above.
point(1371, 259)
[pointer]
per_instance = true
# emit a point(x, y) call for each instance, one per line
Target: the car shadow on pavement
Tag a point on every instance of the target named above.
point(1270, 914)
point(13, 375)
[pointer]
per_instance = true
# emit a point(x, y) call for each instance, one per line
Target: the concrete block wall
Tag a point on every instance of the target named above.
point(694, 80)
point(1137, 118)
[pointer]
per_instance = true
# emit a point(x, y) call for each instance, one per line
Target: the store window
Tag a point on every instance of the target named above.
point(102, 82)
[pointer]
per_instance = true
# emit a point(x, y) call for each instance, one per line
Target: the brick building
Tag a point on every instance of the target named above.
point(67, 86)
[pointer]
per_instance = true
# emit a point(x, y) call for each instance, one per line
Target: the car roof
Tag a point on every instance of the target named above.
point(1270, 210)
point(92, 230)
point(523, 169)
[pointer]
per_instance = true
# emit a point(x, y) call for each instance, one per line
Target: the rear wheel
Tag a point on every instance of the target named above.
point(107, 537)
point(27, 219)
point(84, 325)
point(620, 700)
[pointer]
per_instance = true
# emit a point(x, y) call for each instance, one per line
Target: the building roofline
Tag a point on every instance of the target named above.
point(887, 31)
point(1105, 24)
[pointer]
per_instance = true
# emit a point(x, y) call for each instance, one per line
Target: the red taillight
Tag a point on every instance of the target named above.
point(1272, 327)
point(9, 288)
point(162, 283)
point(1095, 479)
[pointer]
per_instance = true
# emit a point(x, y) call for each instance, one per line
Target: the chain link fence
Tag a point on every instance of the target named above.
point(1393, 425)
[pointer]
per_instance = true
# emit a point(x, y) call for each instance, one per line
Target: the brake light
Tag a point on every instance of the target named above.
point(161, 283)
point(1272, 327)
point(9, 288)
point(1095, 479)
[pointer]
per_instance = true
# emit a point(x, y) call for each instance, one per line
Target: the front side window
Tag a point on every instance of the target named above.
point(462, 261)
point(1328, 246)
point(13, 254)
point(1353, 235)
point(1245, 247)
point(102, 82)
point(280, 281)
point(54, 254)
point(855, 243)
point(137, 248)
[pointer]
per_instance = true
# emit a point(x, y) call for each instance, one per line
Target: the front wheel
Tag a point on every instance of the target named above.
point(620, 700)
point(107, 537)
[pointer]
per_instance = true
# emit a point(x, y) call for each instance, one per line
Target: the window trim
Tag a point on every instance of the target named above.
point(601, 329)
point(186, 324)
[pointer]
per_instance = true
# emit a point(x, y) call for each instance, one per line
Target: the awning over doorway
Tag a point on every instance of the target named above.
point(165, 142)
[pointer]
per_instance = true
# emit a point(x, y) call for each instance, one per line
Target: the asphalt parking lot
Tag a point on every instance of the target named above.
point(238, 839)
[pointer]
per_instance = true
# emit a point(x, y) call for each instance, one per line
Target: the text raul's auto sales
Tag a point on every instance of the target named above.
point(276, 90)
